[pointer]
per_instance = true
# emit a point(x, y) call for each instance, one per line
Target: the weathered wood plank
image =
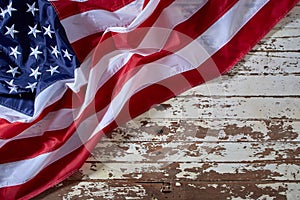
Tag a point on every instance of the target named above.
point(282, 33)
point(277, 54)
point(278, 44)
point(150, 129)
point(177, 171)
point(279, 40)
point(117, 190)
point(261, 63)
point(181, 151)
point(279, 85)
point(231, 107)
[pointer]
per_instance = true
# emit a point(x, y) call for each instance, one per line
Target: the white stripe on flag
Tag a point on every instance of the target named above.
point(99, 20)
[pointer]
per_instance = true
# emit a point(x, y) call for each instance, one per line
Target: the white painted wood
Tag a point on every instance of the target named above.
point(193, 171)
point(222, 189)
point(282, 34)
point(243, 85)
point(278, 44)
point(180, 151)
point(229, 108)
point(142, 129)
point(266, 64)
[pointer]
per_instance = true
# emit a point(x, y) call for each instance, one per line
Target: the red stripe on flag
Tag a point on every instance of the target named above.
point(68, 8)
point(145, 3)
point(91, 40)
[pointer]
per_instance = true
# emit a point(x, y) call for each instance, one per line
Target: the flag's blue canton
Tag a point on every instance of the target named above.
point(34, 52)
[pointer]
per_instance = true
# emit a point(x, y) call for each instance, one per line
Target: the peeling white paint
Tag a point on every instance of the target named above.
point(101, 189)
point(234, 107)
point(177, 184)
point(192, 185)
point(169, 152)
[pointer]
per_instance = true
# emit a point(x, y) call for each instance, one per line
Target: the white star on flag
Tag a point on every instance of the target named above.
point(55, 51)
point(33, 30)
point(10, 9)
point(35, 73)
point(3, 12)
point(53, 70)
point(48, 31)
point(11, 82)
point(66, 54)
point(32, 8)
point(35, 51)
point(13, 71)
point(14, 52)
point(31, 86)
point(11, 31)
point(13, 89)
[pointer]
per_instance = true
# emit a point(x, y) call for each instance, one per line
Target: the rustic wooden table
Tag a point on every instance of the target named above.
point(236, 137)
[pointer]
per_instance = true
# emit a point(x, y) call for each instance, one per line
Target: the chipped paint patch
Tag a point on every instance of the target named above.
point(100, 189)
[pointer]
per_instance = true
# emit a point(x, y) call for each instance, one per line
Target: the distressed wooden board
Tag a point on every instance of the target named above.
point(279, 34)
point(236, 137)
point(279, 85)
point(227, 107)
point(180, 151)
point(179, 171)
point(257, 63)
point(143, 129)
point(278, 43)
point(123, 190)
point(235, 130)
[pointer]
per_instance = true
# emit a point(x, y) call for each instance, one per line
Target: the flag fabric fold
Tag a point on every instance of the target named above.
point(71, 71)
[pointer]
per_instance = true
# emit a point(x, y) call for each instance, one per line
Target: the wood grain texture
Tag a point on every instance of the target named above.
point(235, 137)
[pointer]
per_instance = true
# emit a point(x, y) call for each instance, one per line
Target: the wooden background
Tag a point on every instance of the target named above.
point(236, 137)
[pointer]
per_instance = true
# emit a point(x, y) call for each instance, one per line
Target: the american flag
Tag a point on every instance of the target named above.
point(71, 71)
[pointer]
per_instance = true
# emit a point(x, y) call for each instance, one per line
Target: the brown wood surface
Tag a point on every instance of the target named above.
point(236, 137)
